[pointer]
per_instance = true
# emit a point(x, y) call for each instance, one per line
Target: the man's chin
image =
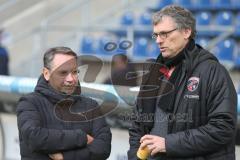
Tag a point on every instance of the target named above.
point(68, 92)
point(167, 55)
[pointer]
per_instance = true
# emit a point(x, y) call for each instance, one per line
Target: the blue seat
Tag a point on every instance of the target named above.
point(87, 45)
point(202, 4)
point(140, 47)
point(102, 44)
point(145, 19)
point(185, 3)
point(224, 18)
point(235, 4)
point(163, 3)
point(237, 59)
point(203, 41)
point(123, 45)
point(127, 18)
point(203, 19)
point(153, 49)
point(222, 4)
point(225, 50)
point(237, 24)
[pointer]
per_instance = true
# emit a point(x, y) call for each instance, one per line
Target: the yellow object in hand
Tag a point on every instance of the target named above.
point(143, 153)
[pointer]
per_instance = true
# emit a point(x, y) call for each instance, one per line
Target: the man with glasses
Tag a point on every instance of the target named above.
point(53, 122)
point(190, 113)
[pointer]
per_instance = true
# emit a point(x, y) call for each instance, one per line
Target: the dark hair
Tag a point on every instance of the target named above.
point(50, 53)
point(183, 18)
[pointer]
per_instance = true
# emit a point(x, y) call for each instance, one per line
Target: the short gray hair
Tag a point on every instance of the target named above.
point(183, 18)
point(50, 53)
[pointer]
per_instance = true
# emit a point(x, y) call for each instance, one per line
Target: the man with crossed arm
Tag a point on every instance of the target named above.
point(46, 130)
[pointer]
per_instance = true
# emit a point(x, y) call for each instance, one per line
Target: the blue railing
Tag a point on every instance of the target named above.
point(23, 85)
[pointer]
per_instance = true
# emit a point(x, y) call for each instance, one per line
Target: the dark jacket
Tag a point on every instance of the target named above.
point(42, 132)
point(203, 123)
point(4, 58)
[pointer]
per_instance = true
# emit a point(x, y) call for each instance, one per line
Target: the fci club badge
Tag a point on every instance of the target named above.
point(192, 84)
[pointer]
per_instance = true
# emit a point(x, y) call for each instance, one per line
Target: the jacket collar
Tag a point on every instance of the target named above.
point(50, 93)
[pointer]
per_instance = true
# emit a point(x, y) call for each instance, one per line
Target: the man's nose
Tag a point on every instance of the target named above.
point(159, 39)
point(70, 77)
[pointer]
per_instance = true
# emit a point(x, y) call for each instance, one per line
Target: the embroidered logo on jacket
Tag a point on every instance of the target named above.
point(192, 84)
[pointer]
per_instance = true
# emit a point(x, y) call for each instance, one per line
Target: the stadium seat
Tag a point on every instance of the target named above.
point(222, 4)
point(145, 19)
point(224, 18)
point(86, 45)
point(140, 47)
point(237, 25)
point(184, 3)
point(201, 4)
point(153, 50)
point(102, 44)
point(235, 4)
point(163, 3)
point(202, 41)
point(225, 50)
point(237, 59)
point(127, 18)
point(203, 19)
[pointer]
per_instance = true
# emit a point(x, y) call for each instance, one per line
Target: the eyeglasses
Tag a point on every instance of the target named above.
point(162, 35)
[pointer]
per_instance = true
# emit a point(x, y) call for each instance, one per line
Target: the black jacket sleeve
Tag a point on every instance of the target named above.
point(83, 154)
point(136, 131)
point(220, 129)
point(41, 139)
point(100, 148)
point(135, 134)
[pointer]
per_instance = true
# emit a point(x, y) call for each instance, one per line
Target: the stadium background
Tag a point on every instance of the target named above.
point(86, 26)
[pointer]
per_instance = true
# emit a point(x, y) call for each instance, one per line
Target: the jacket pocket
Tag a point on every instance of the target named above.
point(193, 112)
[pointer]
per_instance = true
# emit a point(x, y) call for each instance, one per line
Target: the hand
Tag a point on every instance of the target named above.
point(56, 156)
point(154, 143)
point(89, 139)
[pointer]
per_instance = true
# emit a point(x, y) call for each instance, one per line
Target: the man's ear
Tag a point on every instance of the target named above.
point(187, 33)
point(46, 73)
